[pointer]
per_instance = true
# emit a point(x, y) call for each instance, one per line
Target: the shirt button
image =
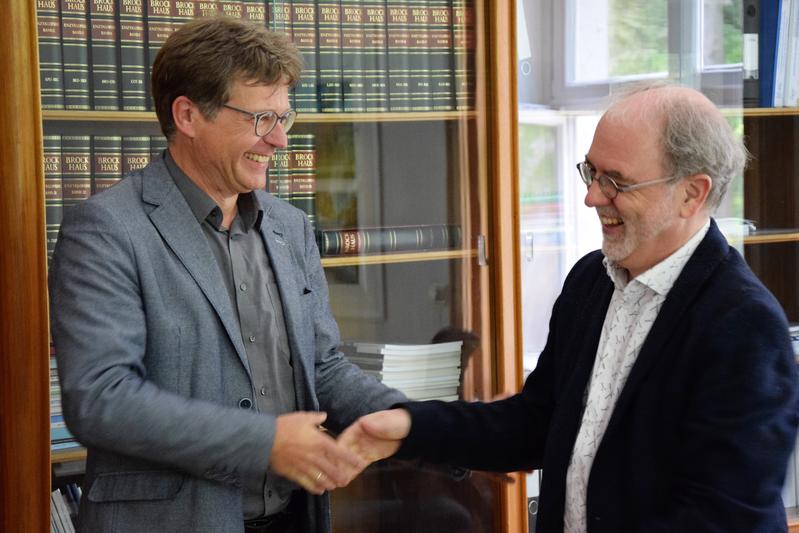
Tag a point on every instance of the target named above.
point(263, 391)
point(243, 287)
point(245, 403)
point(251, 338)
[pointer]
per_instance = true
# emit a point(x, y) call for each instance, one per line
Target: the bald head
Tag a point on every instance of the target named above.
point(694, 135)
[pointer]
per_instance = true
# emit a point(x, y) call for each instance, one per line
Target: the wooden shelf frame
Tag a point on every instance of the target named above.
point(397, 257)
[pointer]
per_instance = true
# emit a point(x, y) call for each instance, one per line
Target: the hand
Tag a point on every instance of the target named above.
point(377, 435)
point(310, 457)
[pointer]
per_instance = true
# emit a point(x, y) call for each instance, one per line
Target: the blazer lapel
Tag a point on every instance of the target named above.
point(697, 270)
point(285, 270)
point(177, 225)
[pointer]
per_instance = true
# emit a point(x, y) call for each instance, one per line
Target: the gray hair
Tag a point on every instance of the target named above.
point(696, 137)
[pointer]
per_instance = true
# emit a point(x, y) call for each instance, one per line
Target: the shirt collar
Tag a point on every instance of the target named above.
point(661, 277)
point(204, 208)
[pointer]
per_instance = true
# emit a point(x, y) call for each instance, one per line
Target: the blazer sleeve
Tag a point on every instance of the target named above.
point(100, 333)
point(342, 389)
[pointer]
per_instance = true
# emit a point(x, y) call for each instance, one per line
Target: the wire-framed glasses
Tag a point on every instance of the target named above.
point(608, 186)
point(265, 121)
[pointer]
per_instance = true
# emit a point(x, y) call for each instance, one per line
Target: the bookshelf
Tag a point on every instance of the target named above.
point(471, 150)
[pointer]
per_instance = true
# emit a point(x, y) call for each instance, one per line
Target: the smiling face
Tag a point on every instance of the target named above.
point(642, 227)
point(227, 158)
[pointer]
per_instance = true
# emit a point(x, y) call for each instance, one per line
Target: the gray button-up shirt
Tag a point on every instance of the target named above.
point(244, 263)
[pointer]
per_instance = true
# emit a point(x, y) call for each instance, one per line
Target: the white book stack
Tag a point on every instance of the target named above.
point(421, 371)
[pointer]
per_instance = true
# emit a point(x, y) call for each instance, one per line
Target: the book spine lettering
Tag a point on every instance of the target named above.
point(183, 11)
point(159, 27)
point(106, 161)
point(231, 8)
point(209, 8)
point(51, 64)
point(255, 11)
point(105, 65)
point(419, 56)
point(441, 58)
point(75, 52)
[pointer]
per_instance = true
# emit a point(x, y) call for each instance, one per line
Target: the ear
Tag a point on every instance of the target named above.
point(695, 190)
point(185, 114)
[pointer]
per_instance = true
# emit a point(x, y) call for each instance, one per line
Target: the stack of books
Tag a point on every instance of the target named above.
point(60, 437)
point(421, 371)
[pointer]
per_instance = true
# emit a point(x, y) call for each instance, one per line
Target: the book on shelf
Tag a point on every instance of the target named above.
point(304, 34)
point(463, 45)
point(751, 31)
point(420, 371)
point(352, 59)
point(132, 56)
point(778, 53)
point(75, 53)
point(209, 8)
point(329, 56)
point(255, 11)
point(398, 47)
point(104, 59)
point(375, 59)
point(231, 8)
point(386, 239)
point(60, 519)
point(51, 64)
point(442, 94)
point(183, 12)
point(76, 168)
point(158, 144)
point(419, 56)
point(159, 27)
point(53, 195)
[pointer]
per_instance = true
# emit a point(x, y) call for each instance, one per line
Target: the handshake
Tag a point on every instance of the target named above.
point(306, 454)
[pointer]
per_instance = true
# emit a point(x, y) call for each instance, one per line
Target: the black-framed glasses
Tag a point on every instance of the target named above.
point(265, 121)
point(608, 186)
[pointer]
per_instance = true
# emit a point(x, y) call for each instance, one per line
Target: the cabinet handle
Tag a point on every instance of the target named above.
point(482, 256)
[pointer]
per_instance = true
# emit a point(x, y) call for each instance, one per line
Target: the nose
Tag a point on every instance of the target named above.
point(277, 137)
point(594, 196)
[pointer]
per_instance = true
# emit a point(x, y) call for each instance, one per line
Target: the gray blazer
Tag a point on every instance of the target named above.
point(153, 367)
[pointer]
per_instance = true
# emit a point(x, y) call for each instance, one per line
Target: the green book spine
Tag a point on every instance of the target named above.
point(208, 8)
point(352, 56)
point(280, 21)
point(441, 59)
point(53, 192)
point(183, 11)
point(419, 54)
point(352, 241)
point(135, 153)
point(106, 161)
point(76, 180)
point(158, 144)
point(375, 61)
point(255, 11)
point(133, 67)
point(398, 43)
point(105, 62)
point(51, 64)
point(75, 52)
point(159, 27)
point(329, 60)
point(231, 8)
point(303, 30)
point(463, 41)
point(302, 174)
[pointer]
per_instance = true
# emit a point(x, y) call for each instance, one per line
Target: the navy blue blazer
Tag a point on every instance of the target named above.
point(702, 431)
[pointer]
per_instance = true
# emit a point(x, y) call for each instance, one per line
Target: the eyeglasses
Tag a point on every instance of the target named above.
point(608, 186)
point(265, 121)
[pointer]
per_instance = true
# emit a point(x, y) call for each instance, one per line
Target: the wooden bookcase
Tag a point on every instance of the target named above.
point(487, 300)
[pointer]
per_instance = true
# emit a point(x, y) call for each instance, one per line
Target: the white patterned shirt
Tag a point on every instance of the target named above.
point(633, 309)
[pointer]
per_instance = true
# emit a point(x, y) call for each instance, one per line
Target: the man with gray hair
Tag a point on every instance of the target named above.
point(666, 396)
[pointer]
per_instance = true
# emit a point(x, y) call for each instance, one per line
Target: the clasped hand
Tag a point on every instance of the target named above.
point(318, 462)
